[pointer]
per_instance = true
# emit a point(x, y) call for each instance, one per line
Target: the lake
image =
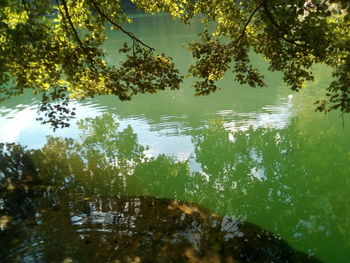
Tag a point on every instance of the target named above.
point(261, 155)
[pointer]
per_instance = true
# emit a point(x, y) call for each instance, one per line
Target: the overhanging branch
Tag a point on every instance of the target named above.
point(279, 29)
point(131, 35)
point(75, 33)
point(243, 31)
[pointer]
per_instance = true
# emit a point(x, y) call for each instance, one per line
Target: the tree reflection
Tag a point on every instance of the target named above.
point(290, 182)
point(73, 200)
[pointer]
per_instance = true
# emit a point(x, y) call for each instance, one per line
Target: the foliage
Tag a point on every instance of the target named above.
point(277, 178)
point(56, 48)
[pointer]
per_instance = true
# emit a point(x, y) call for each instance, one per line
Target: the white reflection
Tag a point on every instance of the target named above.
point(270, 116)
point(15, 122)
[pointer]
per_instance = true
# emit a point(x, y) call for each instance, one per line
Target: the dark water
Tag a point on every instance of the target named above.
point(261, 156)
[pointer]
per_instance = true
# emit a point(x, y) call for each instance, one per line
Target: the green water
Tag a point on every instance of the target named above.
point(260, 155)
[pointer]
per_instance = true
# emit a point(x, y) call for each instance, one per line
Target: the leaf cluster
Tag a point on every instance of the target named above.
point(55, 48)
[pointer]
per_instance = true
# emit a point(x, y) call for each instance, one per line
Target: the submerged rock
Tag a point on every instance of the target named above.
point(145, 229)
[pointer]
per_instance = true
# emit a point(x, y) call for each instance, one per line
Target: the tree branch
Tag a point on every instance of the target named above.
point(131, 35)
point(75, 33)
point(243, 31)
point(24, 3)
point(280, 31)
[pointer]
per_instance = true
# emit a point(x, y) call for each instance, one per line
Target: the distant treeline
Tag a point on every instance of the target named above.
point(128, 5)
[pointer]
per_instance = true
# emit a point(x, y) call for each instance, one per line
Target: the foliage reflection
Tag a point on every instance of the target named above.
point(73, 192)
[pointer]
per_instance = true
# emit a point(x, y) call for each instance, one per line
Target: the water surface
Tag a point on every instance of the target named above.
point(259, 155)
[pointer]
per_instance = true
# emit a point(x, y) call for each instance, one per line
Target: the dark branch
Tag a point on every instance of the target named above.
point(243, 31)
point(131, 35)
point(24, 3)
point(75, 33)
point(280, 30)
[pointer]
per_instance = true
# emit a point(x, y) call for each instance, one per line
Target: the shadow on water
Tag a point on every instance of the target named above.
point(48, 224)
point(74, 200)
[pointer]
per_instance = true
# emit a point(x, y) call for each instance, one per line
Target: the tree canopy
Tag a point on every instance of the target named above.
point(55, 48)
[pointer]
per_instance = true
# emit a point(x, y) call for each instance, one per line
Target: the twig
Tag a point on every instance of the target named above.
point(131, 35)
